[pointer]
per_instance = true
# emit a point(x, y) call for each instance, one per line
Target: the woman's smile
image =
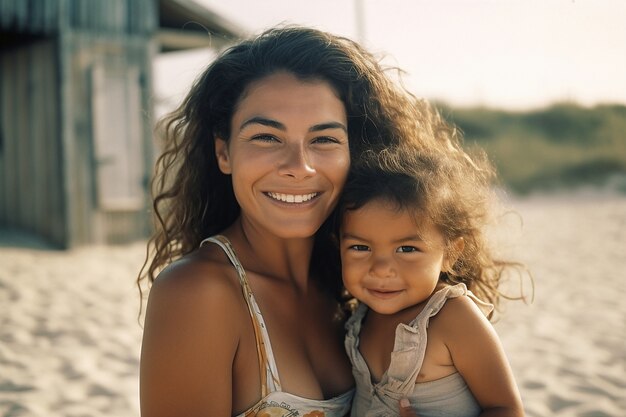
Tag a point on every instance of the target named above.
point(288, 150)
point(292, 198)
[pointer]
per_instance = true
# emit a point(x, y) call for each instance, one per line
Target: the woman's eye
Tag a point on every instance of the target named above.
point(359, 248)
point(265, 138)
point(325, 139)
point(407, 249)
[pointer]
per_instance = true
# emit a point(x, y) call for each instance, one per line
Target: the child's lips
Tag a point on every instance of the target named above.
point(384, 294)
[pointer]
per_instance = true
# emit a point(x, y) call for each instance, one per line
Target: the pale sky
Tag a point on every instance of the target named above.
point(513, 54)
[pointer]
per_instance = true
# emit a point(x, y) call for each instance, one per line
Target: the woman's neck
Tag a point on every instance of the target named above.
point(266, 254)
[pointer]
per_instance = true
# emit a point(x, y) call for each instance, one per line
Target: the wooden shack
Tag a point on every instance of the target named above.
point(76, 148)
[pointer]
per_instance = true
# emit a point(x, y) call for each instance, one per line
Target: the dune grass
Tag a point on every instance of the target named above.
point(563, 146)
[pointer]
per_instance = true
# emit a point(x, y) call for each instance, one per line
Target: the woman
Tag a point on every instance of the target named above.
point(258, 153)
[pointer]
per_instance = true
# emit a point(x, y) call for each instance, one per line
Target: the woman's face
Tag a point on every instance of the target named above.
point(288, 154)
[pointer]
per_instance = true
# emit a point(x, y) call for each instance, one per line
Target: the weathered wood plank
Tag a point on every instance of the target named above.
point(96, 16)
point(6, 13)
point(43, 133)
point(4, 98)
point(53, 171)
point(24, 134)
point(50, 15)
point(35, 16)
point(30, 195)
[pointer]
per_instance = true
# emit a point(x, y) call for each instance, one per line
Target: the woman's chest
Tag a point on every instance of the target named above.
point(306, 341)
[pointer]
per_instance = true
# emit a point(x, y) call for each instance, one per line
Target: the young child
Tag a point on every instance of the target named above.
point(412, 248)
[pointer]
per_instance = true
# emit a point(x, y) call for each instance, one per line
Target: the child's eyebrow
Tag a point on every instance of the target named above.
point(351, 236)
point(411, 238)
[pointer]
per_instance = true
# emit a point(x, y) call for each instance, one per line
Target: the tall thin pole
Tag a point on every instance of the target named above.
point(359, 16)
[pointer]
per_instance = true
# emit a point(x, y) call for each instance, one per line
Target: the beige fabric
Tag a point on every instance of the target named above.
point(447, 396)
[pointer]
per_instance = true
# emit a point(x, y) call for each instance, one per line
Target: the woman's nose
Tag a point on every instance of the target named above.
point(296, 162)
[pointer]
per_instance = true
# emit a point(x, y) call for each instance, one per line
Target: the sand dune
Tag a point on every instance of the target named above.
point(70, 340)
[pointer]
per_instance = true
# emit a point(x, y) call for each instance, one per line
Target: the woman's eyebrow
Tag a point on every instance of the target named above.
point(263, 121)
point(329, 125)
point(278, 125)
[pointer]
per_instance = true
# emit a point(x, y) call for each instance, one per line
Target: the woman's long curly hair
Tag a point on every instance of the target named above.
point(447, 188)
point(192, 199)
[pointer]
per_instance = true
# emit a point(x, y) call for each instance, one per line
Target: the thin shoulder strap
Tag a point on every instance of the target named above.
point(412, 339)
point(267, 364)
point(438, 300)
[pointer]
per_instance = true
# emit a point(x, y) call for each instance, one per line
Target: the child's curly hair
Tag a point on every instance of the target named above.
point(446, 187)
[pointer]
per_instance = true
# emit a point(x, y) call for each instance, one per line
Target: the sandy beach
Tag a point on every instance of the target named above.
point(70, 337)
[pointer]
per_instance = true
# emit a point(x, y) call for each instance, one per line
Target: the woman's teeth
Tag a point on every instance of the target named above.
point(292, 198)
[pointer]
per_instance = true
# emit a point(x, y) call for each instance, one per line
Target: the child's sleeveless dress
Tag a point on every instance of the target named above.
point(448, 396)
point(274, 402)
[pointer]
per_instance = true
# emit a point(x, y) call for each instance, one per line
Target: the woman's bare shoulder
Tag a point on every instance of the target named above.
point(197, 288)
point(195, 307)
point(200, 274)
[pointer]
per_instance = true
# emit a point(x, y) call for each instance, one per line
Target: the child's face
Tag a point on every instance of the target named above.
point(385, 264)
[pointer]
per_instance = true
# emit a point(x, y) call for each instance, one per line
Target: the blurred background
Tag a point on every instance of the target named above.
point(540, 85)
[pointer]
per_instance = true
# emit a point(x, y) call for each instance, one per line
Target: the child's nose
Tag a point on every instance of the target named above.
point(382, 267)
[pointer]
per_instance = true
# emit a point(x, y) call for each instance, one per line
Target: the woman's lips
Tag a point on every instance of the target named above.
point(292, 198)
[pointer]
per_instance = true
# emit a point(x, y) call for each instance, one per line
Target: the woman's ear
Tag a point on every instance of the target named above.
point(455, 249)
point(223, 159)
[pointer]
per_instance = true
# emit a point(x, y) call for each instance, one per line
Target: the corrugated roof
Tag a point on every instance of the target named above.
point(185, 24)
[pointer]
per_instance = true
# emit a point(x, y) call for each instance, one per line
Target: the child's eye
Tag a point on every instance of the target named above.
point(359, 248)
point(407, 249)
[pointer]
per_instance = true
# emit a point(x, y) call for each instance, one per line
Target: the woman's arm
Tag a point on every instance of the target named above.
point(478, 355)
point(189, 343)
